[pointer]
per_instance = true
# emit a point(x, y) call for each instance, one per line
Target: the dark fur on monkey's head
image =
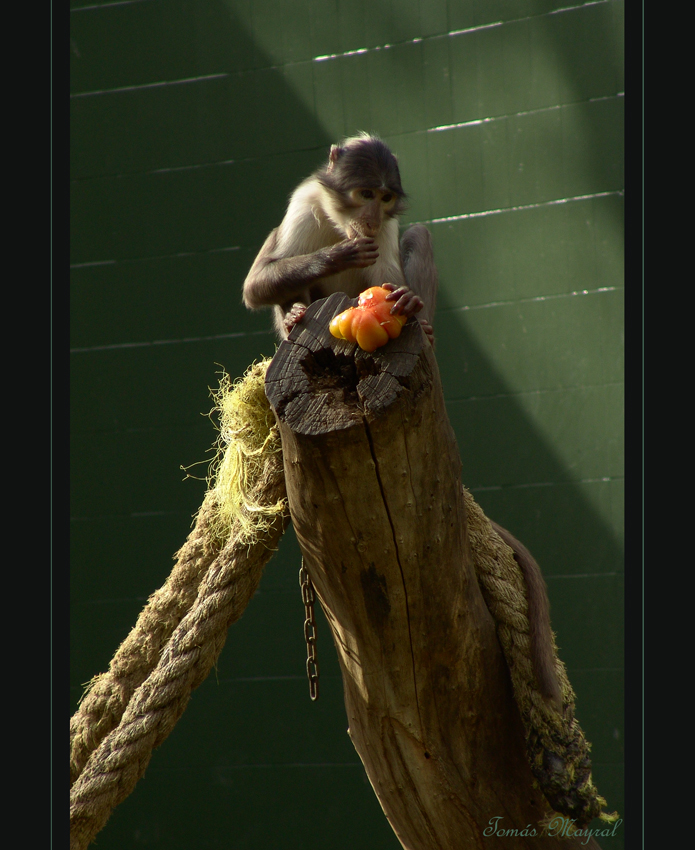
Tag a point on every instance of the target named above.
point(363, 161)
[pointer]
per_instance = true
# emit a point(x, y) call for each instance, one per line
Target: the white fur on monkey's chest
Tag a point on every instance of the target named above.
point(387, 269)
point(307, 228)
point(354, 281)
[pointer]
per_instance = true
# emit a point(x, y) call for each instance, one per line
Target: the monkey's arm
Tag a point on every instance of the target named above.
point(420, 272)
point(417, 256)
point(542, 645)
point(276, 278)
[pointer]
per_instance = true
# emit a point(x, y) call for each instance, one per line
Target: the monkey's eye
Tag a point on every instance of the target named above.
point(387, 198)
point(367, 193)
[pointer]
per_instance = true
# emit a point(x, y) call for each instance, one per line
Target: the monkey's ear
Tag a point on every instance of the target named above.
point(334, 155)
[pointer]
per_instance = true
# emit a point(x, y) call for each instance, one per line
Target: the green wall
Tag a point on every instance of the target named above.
point(191, 121)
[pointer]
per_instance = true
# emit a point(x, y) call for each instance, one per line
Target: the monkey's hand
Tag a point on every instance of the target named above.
point(294, 315)
point(356, 253)
point(428, 329)
point(408, 303)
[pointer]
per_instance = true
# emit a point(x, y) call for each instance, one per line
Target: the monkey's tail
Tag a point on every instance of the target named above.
point(557, 750)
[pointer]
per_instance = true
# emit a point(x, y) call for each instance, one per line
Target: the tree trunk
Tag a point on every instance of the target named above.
point(373, 482)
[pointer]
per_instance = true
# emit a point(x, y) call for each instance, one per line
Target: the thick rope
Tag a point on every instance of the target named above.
point(252, 534)
point(132, 708)
point(114, 769)
point(103, 704)
point(557, 749)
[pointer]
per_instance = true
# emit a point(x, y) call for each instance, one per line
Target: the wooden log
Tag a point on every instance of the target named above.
point(373, 482)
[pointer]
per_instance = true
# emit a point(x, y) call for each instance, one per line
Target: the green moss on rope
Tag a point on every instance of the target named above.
point(248, 437)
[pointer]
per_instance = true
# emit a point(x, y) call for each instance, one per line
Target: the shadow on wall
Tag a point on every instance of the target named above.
point(174, 189)
point(568, 510)
point(154, 170)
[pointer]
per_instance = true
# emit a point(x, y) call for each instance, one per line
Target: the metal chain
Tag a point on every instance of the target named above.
point(312, 664)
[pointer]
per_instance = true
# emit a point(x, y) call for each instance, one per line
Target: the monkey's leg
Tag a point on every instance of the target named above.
point(292, 316)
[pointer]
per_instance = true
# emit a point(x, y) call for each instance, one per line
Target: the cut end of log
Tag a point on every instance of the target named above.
point(318, 384)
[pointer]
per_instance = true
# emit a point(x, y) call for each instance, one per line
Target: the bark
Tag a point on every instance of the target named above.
point(373, 482)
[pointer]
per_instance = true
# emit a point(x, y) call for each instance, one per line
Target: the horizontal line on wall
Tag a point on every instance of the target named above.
point(441, 128)
point(528, 393)
point(277, 764)
point(452, 33)
point(475, 121)
point(115, 600)
point(583, 5)
point(609, 574)
point(290, 678)
point(443, 220)
point(521, 207)
point(128, 514)
point(191, 167)
point(552, 297)
point(140, 514)
point(153, 257)
point(610, 669)
point(498, 487)
point(94, 7)
point(528, 17)
point(94, 263)
point(362, 50)
point(158, 84)
point(357, 52)
point(149, 343)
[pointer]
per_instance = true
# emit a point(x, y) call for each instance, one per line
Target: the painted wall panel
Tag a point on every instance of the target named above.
point(191, 121)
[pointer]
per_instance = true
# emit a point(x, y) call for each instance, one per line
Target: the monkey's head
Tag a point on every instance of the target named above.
point(364, 185)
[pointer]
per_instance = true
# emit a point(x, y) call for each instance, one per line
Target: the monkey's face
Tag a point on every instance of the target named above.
point(367, 210)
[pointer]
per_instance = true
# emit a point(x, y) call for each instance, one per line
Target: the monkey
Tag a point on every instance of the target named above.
point(340, 234)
